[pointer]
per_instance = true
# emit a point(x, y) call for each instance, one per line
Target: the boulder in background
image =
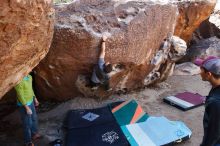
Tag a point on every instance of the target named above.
point(26, 30)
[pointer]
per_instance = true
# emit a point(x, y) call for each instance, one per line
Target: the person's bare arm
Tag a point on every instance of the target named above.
point(28, 110)
point(102, 53)
point(36, 102)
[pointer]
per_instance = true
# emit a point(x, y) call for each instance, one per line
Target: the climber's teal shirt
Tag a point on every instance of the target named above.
point(24, 90)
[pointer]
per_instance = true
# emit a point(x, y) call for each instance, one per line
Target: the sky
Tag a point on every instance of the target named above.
point(217, 7)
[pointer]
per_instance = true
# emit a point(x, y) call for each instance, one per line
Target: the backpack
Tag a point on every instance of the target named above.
point(101, 75)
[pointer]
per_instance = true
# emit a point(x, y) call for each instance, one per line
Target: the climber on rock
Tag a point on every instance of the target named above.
point(101, 70)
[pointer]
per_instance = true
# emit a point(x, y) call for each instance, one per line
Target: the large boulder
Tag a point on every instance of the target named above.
point(210, 27)
point(191, 15)
point(135, 31)
point(26, 30)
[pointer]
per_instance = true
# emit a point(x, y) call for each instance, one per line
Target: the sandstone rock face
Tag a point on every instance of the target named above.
point(165, 63)
point(135, 30)
point(191, 14)
point(210, 27)
point(205, 30)
point(26, 29)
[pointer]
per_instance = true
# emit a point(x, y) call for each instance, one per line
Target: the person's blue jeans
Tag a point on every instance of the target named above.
point(217, 145)
point(29, 123)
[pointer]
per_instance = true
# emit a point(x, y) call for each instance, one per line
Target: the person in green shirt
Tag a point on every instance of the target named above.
point(26, 100)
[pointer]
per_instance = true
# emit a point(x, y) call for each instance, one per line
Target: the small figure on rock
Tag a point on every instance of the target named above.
point(101, 70)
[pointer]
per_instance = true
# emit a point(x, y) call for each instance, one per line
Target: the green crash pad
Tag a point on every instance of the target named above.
point(129, 112)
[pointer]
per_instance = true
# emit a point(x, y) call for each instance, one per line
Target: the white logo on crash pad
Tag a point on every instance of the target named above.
point(110, 137)
point(90, 116)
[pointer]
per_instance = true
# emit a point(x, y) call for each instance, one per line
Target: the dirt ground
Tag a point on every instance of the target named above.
point(150, 99)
